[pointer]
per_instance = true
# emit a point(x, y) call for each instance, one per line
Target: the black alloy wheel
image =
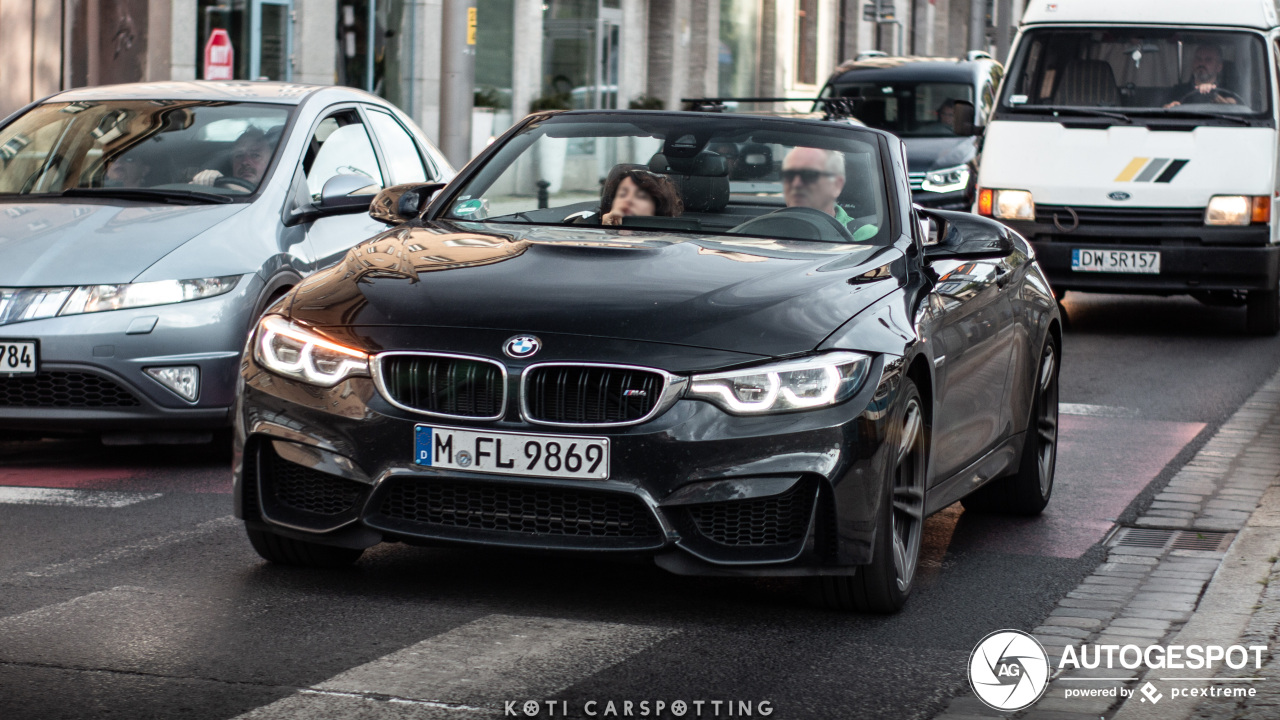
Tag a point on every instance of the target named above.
point(1027, 491)
point(883, 585)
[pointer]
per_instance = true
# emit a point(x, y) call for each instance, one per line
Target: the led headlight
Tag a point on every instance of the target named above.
point(293, 351)
point(787, 386)
point(98, 298)
point(946, 180)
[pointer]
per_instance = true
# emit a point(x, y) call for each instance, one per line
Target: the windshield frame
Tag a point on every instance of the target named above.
point(1139, 115)
point(293, 111)
point(439, 206)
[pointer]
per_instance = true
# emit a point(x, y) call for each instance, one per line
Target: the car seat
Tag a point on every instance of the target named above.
point(1087, 83)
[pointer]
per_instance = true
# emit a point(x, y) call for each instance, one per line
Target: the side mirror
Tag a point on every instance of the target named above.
point(964, 118)
point(342, 192)
point(962, 236)
point(401, 203)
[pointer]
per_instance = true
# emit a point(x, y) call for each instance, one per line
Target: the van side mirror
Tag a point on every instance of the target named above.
point(401, 203)
point(964, 119)
point(963, 236)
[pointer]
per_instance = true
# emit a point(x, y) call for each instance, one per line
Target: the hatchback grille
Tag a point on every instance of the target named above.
point(64, 389)
point(521, 510)
point(590, 395)
point(445, 385)
point(1122, 217)
point(777, 520)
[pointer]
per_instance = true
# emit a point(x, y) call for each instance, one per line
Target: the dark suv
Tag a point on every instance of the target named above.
point(917, 98)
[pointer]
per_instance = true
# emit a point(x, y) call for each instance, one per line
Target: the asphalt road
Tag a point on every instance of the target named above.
point(127, 591)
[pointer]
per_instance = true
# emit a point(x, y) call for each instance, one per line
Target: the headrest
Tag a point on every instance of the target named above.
point(703, 180)
point(754, 161)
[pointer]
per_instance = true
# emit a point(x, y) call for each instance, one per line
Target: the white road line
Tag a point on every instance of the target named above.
point(1110, 411)
point(473, 668)
point(72, 498)
point(136, 548)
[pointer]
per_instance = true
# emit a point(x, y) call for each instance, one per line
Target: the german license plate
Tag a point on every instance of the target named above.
point(18, 357)
point(1115, 261)
point(507, 453)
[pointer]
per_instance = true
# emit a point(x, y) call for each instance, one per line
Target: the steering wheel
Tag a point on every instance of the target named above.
point(797, 223)
point(234, 183)
point(1216, 91)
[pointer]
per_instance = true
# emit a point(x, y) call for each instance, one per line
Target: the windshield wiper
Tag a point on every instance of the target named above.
point(1177, 111)
point(1072, 110)
point(189, 196)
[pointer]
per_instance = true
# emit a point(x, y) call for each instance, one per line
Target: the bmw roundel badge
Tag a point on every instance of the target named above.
point(522, 346)
point(1119, 195)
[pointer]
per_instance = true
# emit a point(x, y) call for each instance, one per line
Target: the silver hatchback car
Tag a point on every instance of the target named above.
point(144, 227)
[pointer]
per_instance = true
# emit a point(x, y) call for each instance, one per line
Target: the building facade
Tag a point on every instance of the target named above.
point(529, 54)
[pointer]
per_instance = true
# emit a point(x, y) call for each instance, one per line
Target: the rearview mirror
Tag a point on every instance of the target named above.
point(401, 203)
point(962, 236)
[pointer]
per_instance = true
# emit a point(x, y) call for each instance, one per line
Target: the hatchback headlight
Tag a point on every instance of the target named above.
point(291, 350)
point(946, 180)
point(99, 298)
point(787, 386)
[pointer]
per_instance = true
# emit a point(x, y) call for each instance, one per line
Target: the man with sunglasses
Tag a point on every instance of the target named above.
point(814, 178)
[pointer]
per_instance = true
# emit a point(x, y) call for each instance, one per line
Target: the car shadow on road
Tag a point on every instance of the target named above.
point(1141, 315)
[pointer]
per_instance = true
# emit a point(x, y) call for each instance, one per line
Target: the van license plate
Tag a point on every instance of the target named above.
point(1115, 261)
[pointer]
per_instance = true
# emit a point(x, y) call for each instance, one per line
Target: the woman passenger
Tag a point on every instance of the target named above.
point(631, 190)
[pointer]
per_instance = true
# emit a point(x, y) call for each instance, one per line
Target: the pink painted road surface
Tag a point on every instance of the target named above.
point(78, 465)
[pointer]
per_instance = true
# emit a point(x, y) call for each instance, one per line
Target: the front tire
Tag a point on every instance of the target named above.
point(1027, 491)
point(1263, 312)
point(883, 585)
point(288, 551)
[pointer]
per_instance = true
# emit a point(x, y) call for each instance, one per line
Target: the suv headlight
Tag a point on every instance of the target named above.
point(291, 350)
point(805, 384)
point(946, 180)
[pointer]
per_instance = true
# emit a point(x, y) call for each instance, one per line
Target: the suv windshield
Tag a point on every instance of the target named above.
point(710, 174)
point(1140, 70)
point(140, 146)
point(916, 109)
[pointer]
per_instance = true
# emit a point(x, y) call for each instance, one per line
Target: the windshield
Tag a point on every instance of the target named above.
point(686, 173)
point(1140, 70)
point(132, 145)
point(923, 109)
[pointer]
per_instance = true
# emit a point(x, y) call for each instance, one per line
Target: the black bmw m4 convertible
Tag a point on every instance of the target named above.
point(726, 342)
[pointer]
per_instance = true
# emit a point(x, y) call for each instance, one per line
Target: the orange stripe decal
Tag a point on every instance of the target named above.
point(1131, 169)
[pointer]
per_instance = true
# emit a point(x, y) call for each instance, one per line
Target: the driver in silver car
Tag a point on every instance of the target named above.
point(249, 157)
point(814, 178)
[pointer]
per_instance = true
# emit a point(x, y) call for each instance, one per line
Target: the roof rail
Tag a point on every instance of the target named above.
point(870, 54)
point(978, 55)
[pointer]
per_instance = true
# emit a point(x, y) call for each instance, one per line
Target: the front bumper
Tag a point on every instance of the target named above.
point(1191, 258)
point(699, 490)
point(92, 367)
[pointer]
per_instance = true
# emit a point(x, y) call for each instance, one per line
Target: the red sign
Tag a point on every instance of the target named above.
point(219, 56)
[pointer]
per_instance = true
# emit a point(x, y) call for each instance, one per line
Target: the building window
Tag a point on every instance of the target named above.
point(807, 42)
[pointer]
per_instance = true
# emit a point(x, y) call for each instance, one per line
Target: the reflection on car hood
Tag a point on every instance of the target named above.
point(750, 295)
point(49, 244)
point(932, 153)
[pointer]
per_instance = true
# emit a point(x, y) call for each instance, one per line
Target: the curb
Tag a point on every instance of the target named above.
point(1151, 588)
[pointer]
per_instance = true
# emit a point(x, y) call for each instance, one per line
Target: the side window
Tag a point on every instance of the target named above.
point(404, 162)
point(340, 146)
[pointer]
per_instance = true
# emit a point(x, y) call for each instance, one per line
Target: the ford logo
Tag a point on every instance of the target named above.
point(1119, 195)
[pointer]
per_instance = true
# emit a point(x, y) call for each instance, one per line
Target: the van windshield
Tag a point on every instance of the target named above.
point(1140, 71)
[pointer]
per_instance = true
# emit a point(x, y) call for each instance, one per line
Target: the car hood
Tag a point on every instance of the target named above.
point(933, 153)
point(46, 244)
point(748, 295)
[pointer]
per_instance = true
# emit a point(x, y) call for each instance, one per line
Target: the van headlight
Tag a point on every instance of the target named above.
point(804, 384)
point(288, 349)
point(946, 180)
point(1237, 210)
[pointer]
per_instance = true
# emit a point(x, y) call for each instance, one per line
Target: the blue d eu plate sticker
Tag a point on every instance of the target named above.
point(422, 445)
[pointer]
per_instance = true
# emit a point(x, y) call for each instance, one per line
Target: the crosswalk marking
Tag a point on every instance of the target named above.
point(473, 668)
point(72, 498)
point(136, 548)
point(1111, 411)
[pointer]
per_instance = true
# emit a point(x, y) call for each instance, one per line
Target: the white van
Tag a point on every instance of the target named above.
point(1134, 144)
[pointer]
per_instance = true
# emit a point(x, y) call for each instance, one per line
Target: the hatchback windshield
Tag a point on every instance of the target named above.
point(140, 146)
point(1140, 70)
point(925, 109)
point(723, 174)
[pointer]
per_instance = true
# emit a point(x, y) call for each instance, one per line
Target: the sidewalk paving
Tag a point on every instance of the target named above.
point(1171, 579)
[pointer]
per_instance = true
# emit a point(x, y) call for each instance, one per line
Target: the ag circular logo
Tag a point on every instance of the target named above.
point(522, 346)
point(1009, 670)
